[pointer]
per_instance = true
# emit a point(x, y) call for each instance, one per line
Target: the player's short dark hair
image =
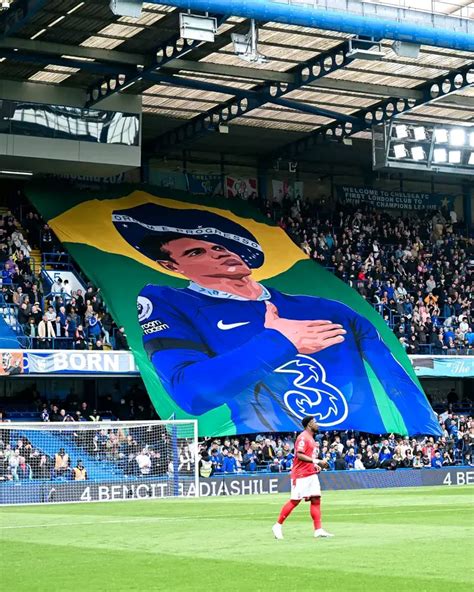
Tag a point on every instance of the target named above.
point(305, 421)
point(154, 245)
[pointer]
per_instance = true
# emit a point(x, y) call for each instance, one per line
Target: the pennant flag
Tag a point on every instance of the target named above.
point(241, 188)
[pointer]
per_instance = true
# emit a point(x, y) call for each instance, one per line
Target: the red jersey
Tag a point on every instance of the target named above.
point(306, 445)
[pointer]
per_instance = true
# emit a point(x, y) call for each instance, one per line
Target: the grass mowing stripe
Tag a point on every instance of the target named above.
point(132, 572)
point(386, 541)
point(218, 517)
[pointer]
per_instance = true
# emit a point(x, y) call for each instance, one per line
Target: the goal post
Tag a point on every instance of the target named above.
point(64, 462)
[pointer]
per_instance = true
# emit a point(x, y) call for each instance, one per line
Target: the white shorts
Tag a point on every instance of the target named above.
point(305, 487)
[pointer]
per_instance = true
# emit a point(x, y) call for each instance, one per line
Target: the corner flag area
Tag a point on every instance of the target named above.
point(410, 540)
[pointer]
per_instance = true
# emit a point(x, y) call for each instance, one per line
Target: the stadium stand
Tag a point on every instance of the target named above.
point(114, 453)
point(38, 311)
point(134, 129)
point(417, 272)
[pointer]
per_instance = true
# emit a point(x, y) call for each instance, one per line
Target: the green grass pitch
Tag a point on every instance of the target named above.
point(403, 540)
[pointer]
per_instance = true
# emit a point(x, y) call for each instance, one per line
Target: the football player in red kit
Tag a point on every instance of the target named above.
point(304, 480)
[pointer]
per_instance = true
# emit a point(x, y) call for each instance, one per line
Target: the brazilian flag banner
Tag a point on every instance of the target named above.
point(231, 323)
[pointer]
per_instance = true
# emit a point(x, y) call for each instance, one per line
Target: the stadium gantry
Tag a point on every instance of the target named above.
point(308, 81)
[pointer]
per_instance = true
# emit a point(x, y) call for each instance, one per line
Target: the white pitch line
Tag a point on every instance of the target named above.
point(152, 519)
point(214, 517)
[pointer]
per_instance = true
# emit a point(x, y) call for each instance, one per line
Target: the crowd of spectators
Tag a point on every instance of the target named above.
point(50, 315)
point(21, 461)
point(416, 269)
point(346, 450)
point(129, 451)
point(148, 450)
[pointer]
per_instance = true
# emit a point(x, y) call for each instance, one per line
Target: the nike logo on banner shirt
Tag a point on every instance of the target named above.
point(227, 326)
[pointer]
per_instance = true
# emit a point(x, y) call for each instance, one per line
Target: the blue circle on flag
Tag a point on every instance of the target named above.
point(136, 224)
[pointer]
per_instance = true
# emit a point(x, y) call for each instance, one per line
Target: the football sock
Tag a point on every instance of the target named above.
point(286, 510)
point(315, 509)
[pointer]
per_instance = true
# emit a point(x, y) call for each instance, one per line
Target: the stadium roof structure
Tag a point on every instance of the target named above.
point(308, 86)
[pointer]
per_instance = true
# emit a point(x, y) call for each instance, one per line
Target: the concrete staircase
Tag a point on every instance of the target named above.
point(36, 258)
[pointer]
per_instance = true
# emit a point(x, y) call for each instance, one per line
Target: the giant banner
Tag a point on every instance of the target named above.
point(235, 325)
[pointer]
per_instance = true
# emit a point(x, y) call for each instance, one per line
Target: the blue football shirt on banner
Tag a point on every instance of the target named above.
point(211, 348)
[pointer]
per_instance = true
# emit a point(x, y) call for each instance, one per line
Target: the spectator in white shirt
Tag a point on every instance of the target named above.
point(430, 284)
point(50, 314)
point(400, 292)
point(144, 462)
point(57, 286)
point(67, 288)
point(464, 325)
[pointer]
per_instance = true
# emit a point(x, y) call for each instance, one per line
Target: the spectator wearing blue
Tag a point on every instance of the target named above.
point(333, 456)
point(390, 289)
point(229, 464)
point(217, 460)
point(437, 460)
point(94, 327)
point(250, 461)
point(288, 457)
point(469, 336)
point(449, 334)
point(385, 455)
point(350, 458)
point(62, 315)
point(71, 325)
point(454, 432)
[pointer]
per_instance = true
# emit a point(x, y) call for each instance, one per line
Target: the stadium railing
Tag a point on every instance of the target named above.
point(56, 260)
point(56, 343)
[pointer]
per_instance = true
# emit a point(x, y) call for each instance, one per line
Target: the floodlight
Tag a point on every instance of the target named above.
point(441, 135)
point(457, 137)
point(406, 50)
point(417, 153)
point(440, 155)
point(399, 150)
point(423, 145)
point(130, 8)
point(454, 156)
point(197, 27)
point(364, 49)
point(401, 131)
point(419, 133)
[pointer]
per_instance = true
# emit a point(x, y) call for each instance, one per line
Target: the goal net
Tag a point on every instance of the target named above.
point(97, 461)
